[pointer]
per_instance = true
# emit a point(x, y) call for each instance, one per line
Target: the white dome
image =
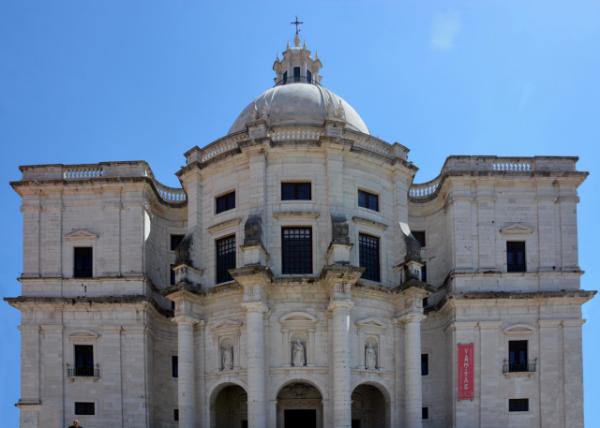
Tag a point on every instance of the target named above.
point(299, 104)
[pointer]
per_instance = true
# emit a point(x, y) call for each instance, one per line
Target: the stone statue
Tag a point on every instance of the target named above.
point(413, 248)
point(227, 358)
point(183, 251)
point(370, 357)
point(339, 230)
point(298, 359)
point(253, 230)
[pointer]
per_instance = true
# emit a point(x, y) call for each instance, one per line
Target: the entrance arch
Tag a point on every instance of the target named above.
point(370, 407)
point(229, 407)
point(299, 405)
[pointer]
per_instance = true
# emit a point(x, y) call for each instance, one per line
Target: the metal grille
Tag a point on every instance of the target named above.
point(84, 408)
point(225, 202)
point(225, 255)
point(368, 247)
point(296, 245)
point(368, 200)
point(296, 191)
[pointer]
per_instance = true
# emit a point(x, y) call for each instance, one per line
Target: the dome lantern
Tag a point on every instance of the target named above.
point(297, 65)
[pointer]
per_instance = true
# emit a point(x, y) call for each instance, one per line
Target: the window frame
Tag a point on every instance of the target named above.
point(516, 268)
point(425, 366)
point(226, 275)
point(514, 401)
point(296, 183)
point(93, 403)
point(361, 236)
point(520, 366)
point(177, 236)
point(83, 371)
point(75, 264)
point(285, 269)
point(224, 195)
point(368, 194)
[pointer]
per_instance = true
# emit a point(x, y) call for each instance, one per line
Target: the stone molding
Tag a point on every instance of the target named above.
point(81, 235)
point(516, 229)
point(369, 222)
point(224, 225)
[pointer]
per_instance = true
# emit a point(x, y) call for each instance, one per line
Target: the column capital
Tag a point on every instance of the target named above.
point(256, 306)
point(186, 319)
point(410, 317)
point(336, 305)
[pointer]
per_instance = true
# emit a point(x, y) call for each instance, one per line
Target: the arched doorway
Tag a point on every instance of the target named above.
point(299, 405)
point(230, 407)
point(369, 408)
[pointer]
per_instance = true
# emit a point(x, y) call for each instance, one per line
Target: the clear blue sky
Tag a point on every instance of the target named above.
point(91, 80)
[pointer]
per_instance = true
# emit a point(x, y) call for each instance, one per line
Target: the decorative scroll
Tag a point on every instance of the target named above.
point(466, 370)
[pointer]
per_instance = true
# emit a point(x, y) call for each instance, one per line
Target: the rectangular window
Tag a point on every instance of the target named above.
point(517, 356)
point(84, 360)
point(424, 412)
point(515, 256)
point(296, 74)
point(518, 405)
point(175, 241)
point(420, 236)
point(368, 200)
point(83, 262)
point(296, 250)
point(284, 77)
point(174, 366)
point(296, 191)
point(424, 364)
point(225, 202)
point(424, 273)
point(368, 251)
point(225, 255)
point(171, 274)
point(308, 76)
point(83, 408)
point(175, 414)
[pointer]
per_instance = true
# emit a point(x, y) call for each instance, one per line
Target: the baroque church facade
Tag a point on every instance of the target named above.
point(300, 278)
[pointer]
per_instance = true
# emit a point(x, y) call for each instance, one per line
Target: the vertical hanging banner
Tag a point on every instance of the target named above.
point(466, 371)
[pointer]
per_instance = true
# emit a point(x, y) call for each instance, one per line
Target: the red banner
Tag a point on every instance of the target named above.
point(466, 370)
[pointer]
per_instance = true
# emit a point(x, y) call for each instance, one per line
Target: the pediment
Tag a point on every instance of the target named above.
point(81, 234)
point(518, 330)
point(516, 229)
point(298, 316)
point(370, 322)
point(227, 324)
point(83, 336)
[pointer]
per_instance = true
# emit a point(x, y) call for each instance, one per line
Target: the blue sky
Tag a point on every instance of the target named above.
point(90, 80)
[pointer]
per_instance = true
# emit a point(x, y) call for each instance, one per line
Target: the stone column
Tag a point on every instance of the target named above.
point(186, 387)
point(412, 370)
point(342, 375)
point(255, 354)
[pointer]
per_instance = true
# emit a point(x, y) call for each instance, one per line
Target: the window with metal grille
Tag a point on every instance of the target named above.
point(225, 202)
point(420, 237)
point(296, 250)
point(83, 264)
point(174, 366)
point(517, 355)
point(424, 364)
point(175, 241)
point(515, 256)
point(368, 249)
point(368, 200)
point(296, 191)
point(84, 360)
point(225, 255)
point(518, 405)
point(83, 408)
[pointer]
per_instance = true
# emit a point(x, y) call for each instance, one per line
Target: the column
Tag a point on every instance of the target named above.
point(412, 370)
point(342, 405)
point(256, 364)
point(186, 376)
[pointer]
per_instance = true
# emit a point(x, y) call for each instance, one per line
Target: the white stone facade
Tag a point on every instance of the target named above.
point(234, 341)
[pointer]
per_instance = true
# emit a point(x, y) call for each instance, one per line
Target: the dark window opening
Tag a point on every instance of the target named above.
point(308, 76)
point(518, 405)
point(284, 77)
point(225, 254)
point(296, 74)
point(515, 256)
point(296, 250)
point(368, 251)
point(174, 366)
point(225, 202)
point(296, 191)
point(517, 356)
point(355, 423)
point(83, 408)
point(425, 302)
point(84, 360)
point(424, 412)
point(175, 414)
point(83, 262)
point(368, 200)
point(424, 273)
point(171, 274)
point(424, 364)
point(175, 241)
point(420, 237)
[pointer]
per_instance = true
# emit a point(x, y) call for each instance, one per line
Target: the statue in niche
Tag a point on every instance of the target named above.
point(183, 252)
point(298, 354)
point(253, 230)
point(370, 357)
point(339, 230)
point(227, 357)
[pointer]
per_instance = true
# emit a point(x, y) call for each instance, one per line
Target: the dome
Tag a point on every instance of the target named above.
point(299, 104)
